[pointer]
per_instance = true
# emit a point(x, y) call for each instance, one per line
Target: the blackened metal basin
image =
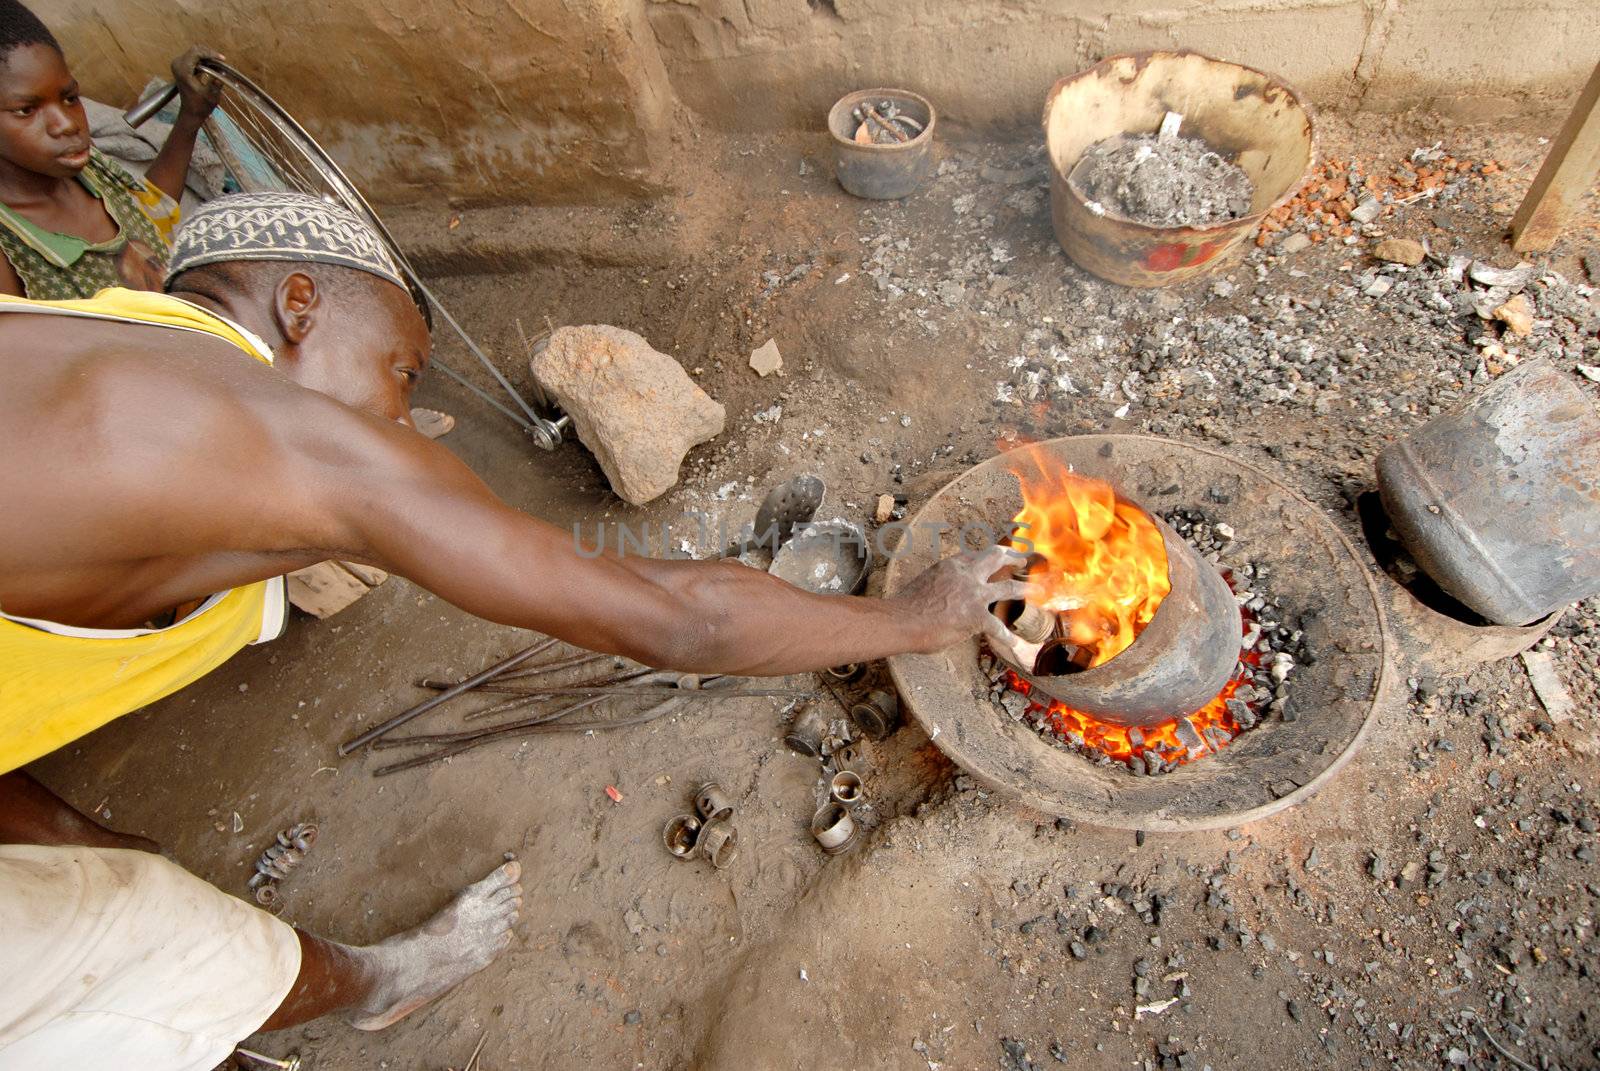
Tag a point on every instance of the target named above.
point(1499, 502)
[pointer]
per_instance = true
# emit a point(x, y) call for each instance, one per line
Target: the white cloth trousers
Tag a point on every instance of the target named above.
point(113, 958)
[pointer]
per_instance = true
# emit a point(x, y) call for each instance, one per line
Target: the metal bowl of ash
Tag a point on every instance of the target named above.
point(1162, 163)
point(882, 142)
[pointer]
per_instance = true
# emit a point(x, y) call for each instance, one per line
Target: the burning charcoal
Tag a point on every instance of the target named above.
point(1188, 735)
point(1015, 704)
point(1152, 762)
point(1136, 738)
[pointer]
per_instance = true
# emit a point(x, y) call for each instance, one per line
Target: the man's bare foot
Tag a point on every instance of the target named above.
point(423, 964)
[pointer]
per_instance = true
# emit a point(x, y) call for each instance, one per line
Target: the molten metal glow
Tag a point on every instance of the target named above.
point(1103, 565)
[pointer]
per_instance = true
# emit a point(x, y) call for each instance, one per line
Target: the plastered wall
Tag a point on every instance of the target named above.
point(578, 101)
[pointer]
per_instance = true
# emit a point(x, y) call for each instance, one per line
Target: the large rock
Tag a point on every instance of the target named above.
point(636, 409)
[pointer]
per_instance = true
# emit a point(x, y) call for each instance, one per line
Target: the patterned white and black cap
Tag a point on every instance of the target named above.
point(291, 227)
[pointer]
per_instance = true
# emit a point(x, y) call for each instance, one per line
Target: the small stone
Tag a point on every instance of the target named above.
point(1369, 209)
point(633, 1018)
point(1517, 315)
point(766, 360)
point(1400, 251)
point(1294, 243)
point(885, 509)
point(1077, 950)
point(1378, 866)
point(1378, 286)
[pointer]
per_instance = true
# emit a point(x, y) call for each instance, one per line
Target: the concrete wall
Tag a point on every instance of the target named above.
point(579, 100)
point(479, 100)
point(747, 63)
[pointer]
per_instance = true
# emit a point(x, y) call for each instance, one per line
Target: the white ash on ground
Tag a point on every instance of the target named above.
point(1164, 182)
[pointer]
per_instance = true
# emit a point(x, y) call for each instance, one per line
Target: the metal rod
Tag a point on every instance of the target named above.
point(500, 708)
point(538, 421)
point(550, 667)
point(459, 735)
point(481, 393)
point(640, 689)
point(450, 750)
point(530, 688)
point(142, 112)
point(443, 697)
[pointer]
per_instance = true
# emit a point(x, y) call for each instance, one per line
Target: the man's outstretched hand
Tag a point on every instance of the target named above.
point(952, 598)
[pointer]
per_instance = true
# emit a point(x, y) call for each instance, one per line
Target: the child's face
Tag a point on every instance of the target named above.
point(42, 125)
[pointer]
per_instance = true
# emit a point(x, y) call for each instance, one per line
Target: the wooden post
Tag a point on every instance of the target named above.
point(1567, 172)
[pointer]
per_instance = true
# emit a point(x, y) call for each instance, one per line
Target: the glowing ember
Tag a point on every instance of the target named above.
point(1207, 729)
point(1101, 565)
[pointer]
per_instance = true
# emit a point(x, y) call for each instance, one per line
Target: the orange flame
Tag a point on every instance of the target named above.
point(1103, 565)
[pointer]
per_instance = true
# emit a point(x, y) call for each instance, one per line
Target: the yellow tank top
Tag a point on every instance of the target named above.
point(58, 682)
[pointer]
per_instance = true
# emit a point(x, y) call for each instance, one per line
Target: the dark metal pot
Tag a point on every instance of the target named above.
point(882, 172)
point(1178, 664)
point(1500, 501)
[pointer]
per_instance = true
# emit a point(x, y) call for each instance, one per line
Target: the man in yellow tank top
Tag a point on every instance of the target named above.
point(166, 458)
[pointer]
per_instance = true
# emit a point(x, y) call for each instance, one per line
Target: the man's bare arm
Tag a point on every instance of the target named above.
point(409, 506)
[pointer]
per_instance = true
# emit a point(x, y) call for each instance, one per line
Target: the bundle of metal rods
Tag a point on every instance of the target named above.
point(525, 685)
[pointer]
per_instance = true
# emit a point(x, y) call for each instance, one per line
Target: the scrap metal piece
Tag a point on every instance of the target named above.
point(1553, 694)
point(846, 673)
point(290, 1064)
point(282, 856)
point(833, 827)
point(681, 835)
point(712, 803)
point(845, 787)
point(878, 716)
point(805, 734)
point(719, 843)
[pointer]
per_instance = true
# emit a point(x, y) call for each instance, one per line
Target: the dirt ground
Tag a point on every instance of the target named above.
point(1442, 892)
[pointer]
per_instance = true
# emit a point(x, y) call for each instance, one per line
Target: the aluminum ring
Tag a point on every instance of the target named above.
point(833, 827)
point(846, 788)
point(719, 843)
point(681, 835)
point(712, 804)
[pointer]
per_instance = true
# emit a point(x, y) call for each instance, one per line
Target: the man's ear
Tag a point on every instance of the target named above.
point(296, 303)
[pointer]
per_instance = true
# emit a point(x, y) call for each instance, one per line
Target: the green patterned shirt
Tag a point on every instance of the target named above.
point(58, 267)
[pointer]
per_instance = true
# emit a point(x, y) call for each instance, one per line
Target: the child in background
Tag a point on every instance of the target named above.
point(73, 221)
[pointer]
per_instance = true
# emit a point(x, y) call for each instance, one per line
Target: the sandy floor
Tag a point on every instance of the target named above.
point(949, 941)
